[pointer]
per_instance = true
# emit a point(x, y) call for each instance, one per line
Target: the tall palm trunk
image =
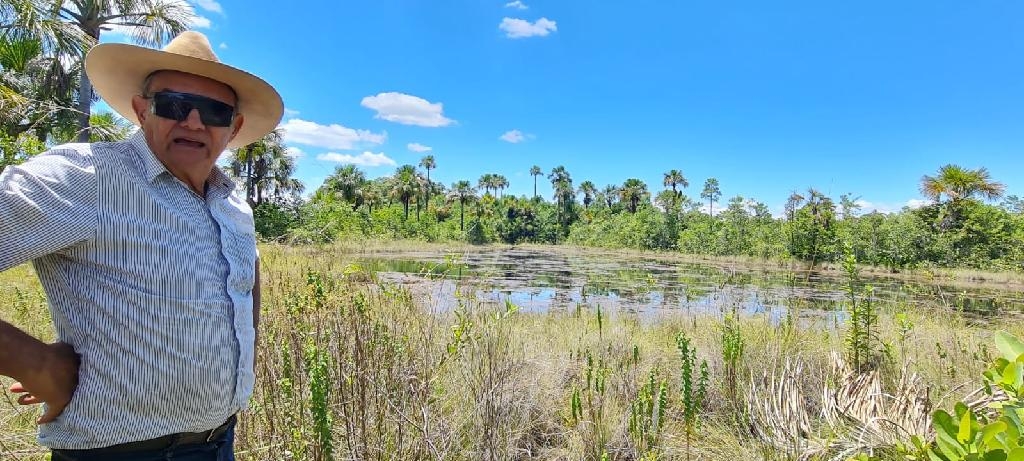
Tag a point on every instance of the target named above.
point(249, 182)
point(429, 184)
point(85, 92)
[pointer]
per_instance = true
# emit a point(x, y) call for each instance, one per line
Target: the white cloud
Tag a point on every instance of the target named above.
point(888, 208)
point(706, 207)
point(368, 159)
point(294, 152)
point(514, 137)
point(201, 22)
point(210, 5)
point(407, 110)
point(223, 46)
point(333, 136)
point(519, 28)
point(289, 113)
point(417, 147)
point(915, 203)
point(518, 4)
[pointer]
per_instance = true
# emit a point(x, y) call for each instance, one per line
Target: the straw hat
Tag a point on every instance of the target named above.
point(117, 71)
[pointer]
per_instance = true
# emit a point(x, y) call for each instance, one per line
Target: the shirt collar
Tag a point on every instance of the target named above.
point(219, 183)
point(151, 166)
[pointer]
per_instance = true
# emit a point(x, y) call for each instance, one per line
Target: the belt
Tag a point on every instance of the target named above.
point(167, 441)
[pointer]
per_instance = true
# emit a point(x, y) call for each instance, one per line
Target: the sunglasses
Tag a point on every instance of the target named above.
point(177, 106)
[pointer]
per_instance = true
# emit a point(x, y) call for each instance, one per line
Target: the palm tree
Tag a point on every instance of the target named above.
point(109, 127)
point(265, 169)
point(41, 20)
point(372, 195)
point(632, 191)
point(564, 197)
point(588, 190)
point(424, 191)
point(958, 183)
point(611, 192)
point(561, 181)
point(428, 163)
point(106, 127)
point(821, 207)
point(148, 23)
point(794, 201)
point(500, 183)
point(535, 171)
point(347, 182)
point(404, 186)
point(675, 178)
point(37, 89)
point(711, 192)
point(486, 182)
point(462, 192)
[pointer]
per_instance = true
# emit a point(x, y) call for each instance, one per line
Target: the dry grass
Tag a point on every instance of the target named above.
point(361, 370)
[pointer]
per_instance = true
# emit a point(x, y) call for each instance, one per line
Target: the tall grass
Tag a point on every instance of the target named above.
point(349, 367)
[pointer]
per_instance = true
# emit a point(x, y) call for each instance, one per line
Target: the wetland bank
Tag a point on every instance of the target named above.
point(453, 352)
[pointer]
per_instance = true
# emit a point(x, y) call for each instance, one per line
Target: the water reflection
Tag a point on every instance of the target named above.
point(540, 281)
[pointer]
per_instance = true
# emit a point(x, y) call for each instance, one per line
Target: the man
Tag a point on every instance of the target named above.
point(148, 261)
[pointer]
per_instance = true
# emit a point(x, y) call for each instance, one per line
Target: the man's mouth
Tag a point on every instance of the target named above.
point(186, 142)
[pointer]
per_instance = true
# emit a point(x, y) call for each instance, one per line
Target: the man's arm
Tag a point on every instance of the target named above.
point(256, 299)
point(46, 204)
point(46, 372)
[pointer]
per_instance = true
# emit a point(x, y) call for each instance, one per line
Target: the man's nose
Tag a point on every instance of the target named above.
point(193, 121)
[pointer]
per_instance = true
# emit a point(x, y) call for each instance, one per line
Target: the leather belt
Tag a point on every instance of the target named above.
point(167, 441)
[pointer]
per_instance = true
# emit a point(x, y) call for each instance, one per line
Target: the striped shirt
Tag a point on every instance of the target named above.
point(150, 282)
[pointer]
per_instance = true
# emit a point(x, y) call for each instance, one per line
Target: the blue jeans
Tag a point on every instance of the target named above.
point(220, 449)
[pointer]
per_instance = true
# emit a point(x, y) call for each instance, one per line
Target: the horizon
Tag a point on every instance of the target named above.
point(862, 99)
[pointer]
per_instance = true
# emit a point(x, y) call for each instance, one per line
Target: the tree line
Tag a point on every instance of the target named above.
point(961, 226)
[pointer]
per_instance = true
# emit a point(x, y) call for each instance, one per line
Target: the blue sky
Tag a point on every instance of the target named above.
point(768, 97)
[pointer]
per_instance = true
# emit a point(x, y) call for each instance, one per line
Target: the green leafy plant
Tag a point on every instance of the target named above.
point(993, 435)
point(587, 406)
point(320, 393)
point(862, 331)
point(647, 417)
point(732, 354)
point(694, 388)
point(905, 326)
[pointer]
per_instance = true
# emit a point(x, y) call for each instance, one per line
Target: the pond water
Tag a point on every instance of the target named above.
point(540, 280)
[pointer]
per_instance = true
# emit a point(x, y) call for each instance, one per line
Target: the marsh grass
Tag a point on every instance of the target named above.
point(352, 368)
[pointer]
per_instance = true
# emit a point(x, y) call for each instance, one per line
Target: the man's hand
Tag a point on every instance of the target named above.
point(53, 382)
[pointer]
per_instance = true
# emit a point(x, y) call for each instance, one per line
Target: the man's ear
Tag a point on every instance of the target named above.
point(239, 120)
point(141, 107)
